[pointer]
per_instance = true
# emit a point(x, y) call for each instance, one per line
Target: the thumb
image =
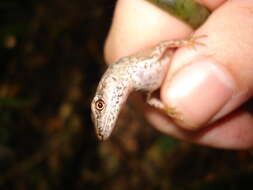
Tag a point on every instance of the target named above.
point(206, 84)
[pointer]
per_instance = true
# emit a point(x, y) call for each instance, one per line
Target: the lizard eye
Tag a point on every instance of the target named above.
point(100, 104)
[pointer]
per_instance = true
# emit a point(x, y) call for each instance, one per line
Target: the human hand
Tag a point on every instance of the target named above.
point(208, 86)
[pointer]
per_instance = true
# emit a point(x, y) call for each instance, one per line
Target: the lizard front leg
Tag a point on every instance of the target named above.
point(153, 100)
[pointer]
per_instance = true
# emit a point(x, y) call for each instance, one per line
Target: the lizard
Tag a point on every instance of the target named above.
point(144, 71)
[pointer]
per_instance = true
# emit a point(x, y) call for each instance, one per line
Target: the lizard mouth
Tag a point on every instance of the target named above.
point(102, 135)
point(102, 130)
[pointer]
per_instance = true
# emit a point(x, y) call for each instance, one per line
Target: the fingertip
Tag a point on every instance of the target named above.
point(198, 91)
point(138, 25)
point(227, 47)
point(211, 4)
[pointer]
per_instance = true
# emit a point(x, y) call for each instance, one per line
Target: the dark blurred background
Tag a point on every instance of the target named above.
point(51, 60)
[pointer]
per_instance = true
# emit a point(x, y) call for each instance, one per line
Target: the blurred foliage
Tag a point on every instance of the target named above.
point(51, 60)
point(188, 11)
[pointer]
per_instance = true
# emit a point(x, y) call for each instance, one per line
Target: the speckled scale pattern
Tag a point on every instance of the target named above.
point(144, 71)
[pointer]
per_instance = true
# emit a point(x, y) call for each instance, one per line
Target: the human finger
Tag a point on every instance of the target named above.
point(208, 83)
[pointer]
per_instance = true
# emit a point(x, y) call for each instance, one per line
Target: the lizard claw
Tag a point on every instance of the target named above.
point(172, 112)
point(193, 41)
point(168, 110)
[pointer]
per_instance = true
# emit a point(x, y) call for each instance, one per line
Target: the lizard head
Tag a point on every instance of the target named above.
point(105, 108)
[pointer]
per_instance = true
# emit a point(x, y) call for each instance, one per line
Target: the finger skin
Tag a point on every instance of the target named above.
point(139, 25)
point(229, 48)
point(234, 132)
point(211, 4)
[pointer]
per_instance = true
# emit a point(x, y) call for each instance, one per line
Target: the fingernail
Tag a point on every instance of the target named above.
point(198, 91)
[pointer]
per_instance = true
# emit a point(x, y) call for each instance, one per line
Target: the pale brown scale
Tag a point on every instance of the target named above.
point(144, 71)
